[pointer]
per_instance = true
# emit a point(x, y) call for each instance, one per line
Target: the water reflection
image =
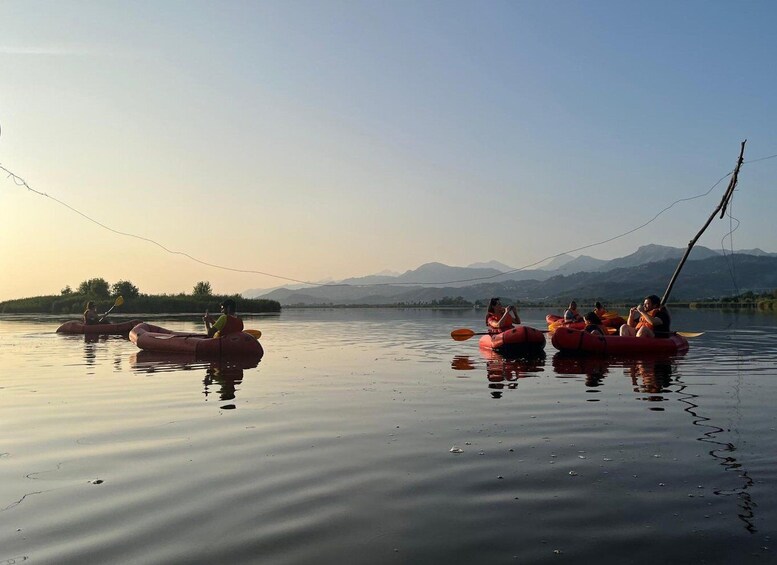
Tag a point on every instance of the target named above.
point(650, 375)
point(224, 375)
point(502, 372)
point(653, 376)
point(723, 452)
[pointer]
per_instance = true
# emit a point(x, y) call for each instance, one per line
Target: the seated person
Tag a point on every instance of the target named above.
point(91, 316)
point(593, 324)
point(599, 310)
point(571, 314)
point(499, 318)
point(649, 319)
point(227, 323)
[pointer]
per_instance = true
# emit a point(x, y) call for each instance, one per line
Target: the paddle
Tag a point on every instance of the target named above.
point(690, 334)
point(463, 334)
point(256, 333)
point(119, 302)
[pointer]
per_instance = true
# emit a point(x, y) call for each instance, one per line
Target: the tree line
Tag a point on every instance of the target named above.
point(71, 301)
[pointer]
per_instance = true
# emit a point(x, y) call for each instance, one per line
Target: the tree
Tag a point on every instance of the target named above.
point(96, 288)
point(202, 288)
point(66, 291)
point(125, 289)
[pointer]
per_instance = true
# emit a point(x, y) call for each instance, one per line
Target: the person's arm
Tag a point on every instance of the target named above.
point(208, 322)
point(634, 315)
point(654, 321)
point(516, 318)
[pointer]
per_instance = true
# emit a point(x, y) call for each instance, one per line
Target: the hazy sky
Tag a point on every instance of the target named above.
point(340, 138)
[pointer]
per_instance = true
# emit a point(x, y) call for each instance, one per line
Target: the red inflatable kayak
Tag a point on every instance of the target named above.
point(577, 341)
point(611, 322)
point(154, 338)
point(77, 327)
point(519, 337)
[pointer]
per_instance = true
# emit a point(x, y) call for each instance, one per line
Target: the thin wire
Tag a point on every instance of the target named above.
point(21, 182)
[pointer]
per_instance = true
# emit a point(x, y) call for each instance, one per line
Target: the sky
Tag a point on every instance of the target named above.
point(317, 140)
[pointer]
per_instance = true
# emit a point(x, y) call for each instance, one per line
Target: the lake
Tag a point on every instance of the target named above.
point(337, 447)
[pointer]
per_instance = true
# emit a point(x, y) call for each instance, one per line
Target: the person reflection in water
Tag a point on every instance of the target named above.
point(227, 376)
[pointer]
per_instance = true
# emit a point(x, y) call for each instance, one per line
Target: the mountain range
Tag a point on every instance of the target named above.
point(707, 274)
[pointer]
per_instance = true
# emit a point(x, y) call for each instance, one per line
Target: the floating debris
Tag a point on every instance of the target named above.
point(573, 473)
point(456, 449)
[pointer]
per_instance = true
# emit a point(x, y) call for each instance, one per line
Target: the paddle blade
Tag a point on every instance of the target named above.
point(462, 334)
point(256, 333)
point(119, 301)
point(690, 334)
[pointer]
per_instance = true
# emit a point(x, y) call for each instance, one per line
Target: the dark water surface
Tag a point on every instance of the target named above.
point(336, 448)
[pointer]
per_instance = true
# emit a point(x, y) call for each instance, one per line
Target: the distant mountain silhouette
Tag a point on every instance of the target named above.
point(491, 265)
point(652, 253)
point(646, 271)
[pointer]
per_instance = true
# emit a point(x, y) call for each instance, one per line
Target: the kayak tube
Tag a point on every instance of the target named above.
point(610, 322)
point(78, 327)
point(519, 337)
point(577, 341)
point(153, 338)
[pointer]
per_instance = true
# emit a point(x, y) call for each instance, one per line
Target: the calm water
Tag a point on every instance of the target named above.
point(336, 448)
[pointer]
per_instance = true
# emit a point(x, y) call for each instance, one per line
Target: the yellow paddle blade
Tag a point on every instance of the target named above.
point(462, 334)
point(119, 301)
point(256, 333)
point(690, 334)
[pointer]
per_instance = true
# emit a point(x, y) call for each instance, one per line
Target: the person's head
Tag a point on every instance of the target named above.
point(598, 307)
point(90, 305)
point(573, 305)
point(228, 306)
point(494, 304)
point(651, 302)
point(592, 319)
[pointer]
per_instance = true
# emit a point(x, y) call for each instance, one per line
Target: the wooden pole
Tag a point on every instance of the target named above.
point(721, 208)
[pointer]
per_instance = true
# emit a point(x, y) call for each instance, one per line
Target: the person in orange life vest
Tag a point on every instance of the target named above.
point(593, 324)
point(227, 323)
point(599, 310)
point(499, 318)
point(571, 314)
point(649, 319)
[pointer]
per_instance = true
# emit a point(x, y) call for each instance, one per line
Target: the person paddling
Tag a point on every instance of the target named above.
point(91, 317)
point(499, 318)
point(227, 323)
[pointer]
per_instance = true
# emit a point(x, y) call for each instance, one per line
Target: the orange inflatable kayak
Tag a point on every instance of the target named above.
point(519, 337)
point(78, 327)
point(154, 338)
point(577, 341)
point(611, 321)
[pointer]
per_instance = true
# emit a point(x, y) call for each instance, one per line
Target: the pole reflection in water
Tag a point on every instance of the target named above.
point(723, 453)
point(653, 376)
point(226, 374)
point(502, 372)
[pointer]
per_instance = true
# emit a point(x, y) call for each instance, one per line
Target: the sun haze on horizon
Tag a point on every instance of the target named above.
point(319, 141)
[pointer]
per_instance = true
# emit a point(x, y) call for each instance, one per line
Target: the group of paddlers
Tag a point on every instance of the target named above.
point(649, 319)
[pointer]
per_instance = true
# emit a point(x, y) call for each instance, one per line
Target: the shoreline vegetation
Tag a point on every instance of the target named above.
point(746, 301)
point(73, 303)
point(70, 302)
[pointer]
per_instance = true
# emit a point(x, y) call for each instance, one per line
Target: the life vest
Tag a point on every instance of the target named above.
point(493, 323)
point(645, 324)
point(233, 325)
